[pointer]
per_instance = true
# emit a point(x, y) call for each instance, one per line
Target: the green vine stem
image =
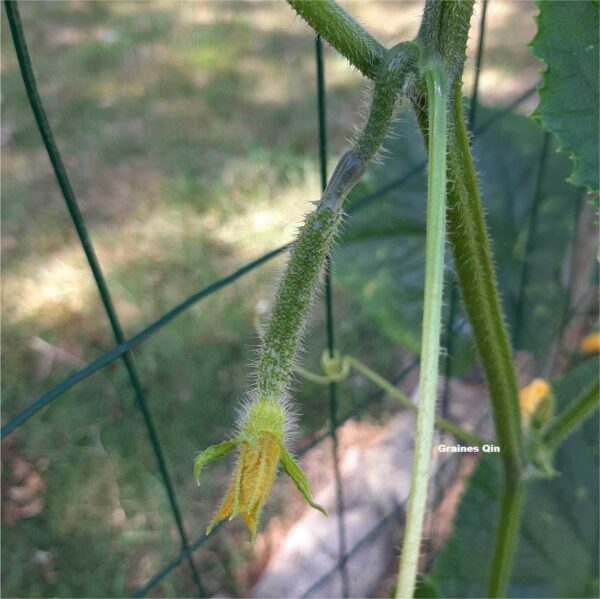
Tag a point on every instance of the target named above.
point(295, 293)
point(442, 423)
point(432, 314)
point(340, 30)
point(472, 257)
point(511, 510)
point(473, 262)
point(297, 288)
point(572, 417)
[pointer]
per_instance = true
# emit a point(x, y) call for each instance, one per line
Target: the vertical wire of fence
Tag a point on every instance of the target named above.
point(529, 235)
point(123, 346)
point(329, 325)
point(18, 36)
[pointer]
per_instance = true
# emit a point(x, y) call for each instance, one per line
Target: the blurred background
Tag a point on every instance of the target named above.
point(190, 134)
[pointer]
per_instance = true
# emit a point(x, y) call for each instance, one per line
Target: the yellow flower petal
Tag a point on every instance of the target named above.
point(590, 344)
point(261, 446)
point(531, 396)
point(225, 510)
point(252, 482)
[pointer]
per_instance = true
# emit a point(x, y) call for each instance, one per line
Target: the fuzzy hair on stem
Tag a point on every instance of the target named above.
point(266, 419)
point(342, 32)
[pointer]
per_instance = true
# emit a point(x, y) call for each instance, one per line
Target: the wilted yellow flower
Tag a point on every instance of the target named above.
point(590, 344)
point(261, 444)
point(251, 483)
point(531, 398)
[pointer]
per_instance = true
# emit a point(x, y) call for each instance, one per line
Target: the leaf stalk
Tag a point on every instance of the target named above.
point(432, 314)
point(571, 417)
point(342, 32)
point(511, 510)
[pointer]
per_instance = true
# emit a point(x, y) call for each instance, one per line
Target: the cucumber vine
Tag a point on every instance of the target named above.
point(428, 73)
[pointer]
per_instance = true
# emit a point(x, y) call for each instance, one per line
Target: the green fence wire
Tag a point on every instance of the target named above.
point(124, 347)
point(16, 28)
point(339, 493)
point(529, 232)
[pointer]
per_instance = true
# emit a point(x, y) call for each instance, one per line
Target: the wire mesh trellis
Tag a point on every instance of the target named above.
point(123, 349)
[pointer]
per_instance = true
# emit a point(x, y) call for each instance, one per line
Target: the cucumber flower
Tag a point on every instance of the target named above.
point(261, 447)
point(536, 401)
point(590, 344)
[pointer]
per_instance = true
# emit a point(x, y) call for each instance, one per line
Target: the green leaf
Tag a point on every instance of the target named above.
point(291, 468)
point(558, 543)
point(212, 453)
point(380, 262)
point(567, 41)
point(426, 589)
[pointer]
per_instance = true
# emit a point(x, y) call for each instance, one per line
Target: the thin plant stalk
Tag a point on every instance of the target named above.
point(472, 256)
point(572, 417)
point(442, 423)
point(432, 316)
point(507, 535)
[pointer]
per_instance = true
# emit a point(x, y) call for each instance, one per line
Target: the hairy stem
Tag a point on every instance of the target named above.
point(572, 417)
point(473, 260)
point(444, 32)
point(340, 30)
point(297, 288)
point(307, 258)
point(511, 510)
point(432, 315)
point(396, 69)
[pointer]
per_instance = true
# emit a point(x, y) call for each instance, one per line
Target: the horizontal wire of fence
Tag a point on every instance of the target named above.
point(229, 279)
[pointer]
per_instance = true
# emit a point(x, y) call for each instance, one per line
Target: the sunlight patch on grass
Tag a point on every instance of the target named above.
point(61, 282)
